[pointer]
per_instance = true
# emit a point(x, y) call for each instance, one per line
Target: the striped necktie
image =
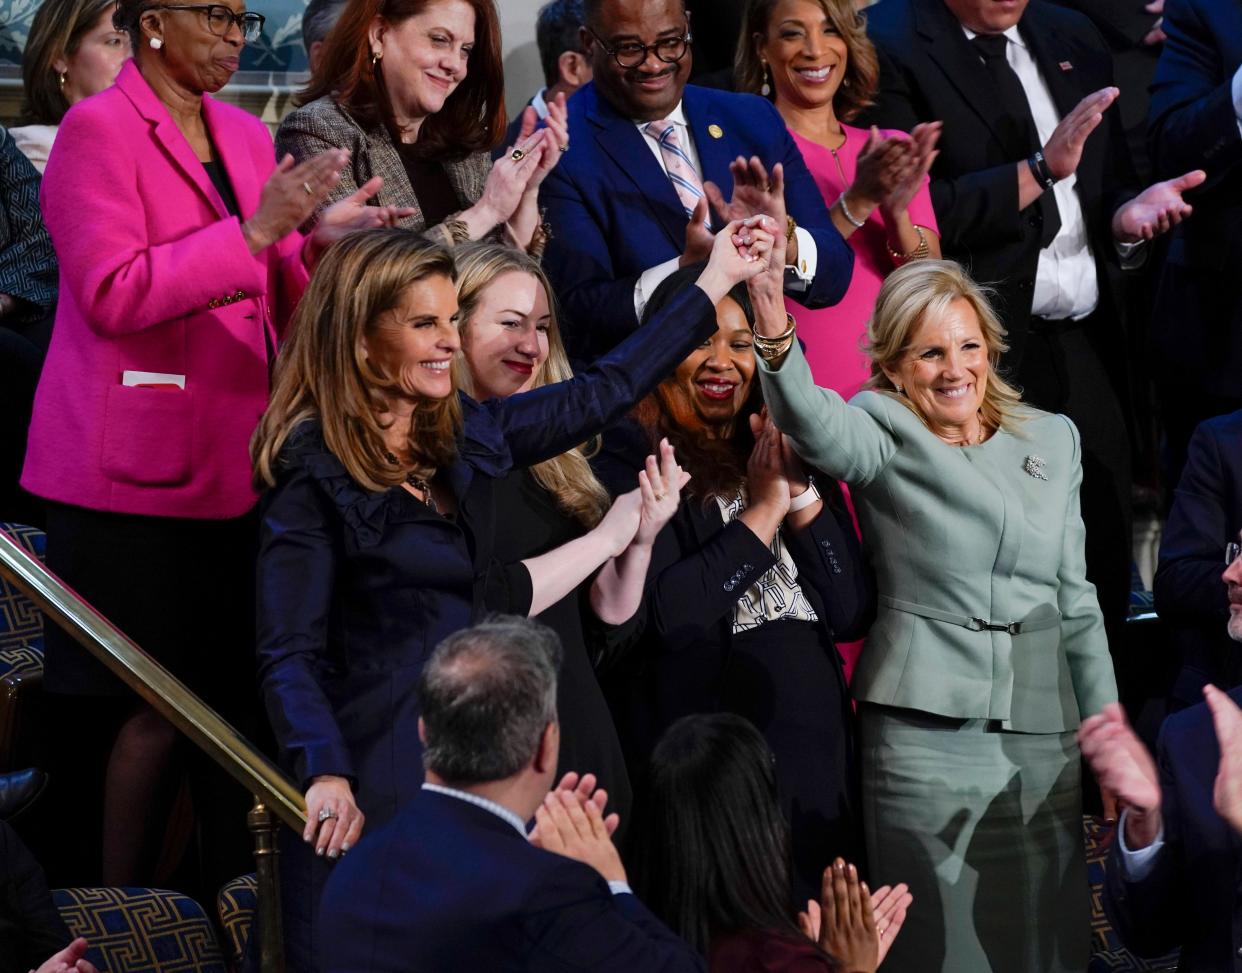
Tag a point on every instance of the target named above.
point(680, 172)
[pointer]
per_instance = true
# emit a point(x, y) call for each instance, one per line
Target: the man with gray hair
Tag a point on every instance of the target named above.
point(453, 882)
point(319, 17)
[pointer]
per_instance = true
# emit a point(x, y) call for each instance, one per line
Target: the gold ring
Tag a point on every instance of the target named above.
point(517, 155)
point(660, 496)
point(564, 148)
point(307, 187)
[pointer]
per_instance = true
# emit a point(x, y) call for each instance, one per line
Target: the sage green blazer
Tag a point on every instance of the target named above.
point(985, 611)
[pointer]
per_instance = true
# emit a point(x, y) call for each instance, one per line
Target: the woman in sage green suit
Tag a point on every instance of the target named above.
point(988, 648)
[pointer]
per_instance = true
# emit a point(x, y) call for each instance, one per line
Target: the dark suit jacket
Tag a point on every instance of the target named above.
point(31, 929)
point(1197, 325)
point(930, 71)
point(1190, 595)
point(1190, 897)
point(614, 212)
point(448, 886)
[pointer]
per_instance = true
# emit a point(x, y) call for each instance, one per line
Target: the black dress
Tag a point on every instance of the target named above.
point(528, 523)
point(785, 675)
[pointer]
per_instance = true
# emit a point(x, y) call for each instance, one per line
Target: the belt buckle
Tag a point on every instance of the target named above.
point(982, 625)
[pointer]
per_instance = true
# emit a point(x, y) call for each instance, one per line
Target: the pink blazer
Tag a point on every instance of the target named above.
point(155, 276)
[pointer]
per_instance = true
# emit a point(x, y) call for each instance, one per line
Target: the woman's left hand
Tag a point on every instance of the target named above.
point(556, 141)
point(906, 185)
point(767, 288)
point(660, 486)
point(507, 182)
point(352, 213)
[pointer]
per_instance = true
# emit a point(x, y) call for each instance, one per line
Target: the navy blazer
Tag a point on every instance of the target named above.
point(1190, 595)
point(1190, 897)
point(355, 589)
point(614, 213)
point(929, 71)
point(449, 886)
point(1197, 322)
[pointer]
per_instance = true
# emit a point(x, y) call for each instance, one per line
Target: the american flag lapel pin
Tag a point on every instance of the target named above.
point(1065, 66)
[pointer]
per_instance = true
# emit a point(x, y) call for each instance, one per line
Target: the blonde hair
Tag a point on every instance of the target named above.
point(323, 372)
point(912, 292)
point(567, 477)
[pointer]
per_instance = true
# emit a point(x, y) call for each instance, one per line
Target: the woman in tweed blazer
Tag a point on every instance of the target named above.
point(988, 646)
point(414, 90)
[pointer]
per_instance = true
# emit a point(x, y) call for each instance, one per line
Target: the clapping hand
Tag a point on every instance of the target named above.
point(847, 928)
point(1227, 792)
point(1125, 769)
point(576, 829)
point(755, 193)
point(1156, 210)
point(71, 959)
point(352, 213)
point(739, 252)
point(889, 905)
point(555, 136)
point(910, 177)
point(584, 789)
point(1064, 149)
point(291, 194)
point(660, 487)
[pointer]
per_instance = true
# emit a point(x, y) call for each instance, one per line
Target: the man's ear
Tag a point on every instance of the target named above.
point(547, 751)
point(573, 68)
point(422, 732)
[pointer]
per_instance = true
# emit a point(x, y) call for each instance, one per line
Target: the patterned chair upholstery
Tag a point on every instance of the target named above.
point(21, 654)
point(134, 930)
point(237, 905)
point(1107, 953)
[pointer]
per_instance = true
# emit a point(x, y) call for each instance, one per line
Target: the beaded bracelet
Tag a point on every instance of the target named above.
point(845, 211)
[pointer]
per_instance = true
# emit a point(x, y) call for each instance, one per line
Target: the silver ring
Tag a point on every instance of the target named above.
point(307, 187)
point(326, 814)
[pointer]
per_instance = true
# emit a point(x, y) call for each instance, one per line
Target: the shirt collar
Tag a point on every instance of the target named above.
point(497, 809)
point(1012, 34)
point(539, 103)
point(677, 116)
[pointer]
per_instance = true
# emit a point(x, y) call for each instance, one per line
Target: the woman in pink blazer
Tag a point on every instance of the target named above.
point(180, 263)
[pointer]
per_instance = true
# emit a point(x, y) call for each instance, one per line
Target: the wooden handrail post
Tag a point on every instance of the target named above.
point(267, 921)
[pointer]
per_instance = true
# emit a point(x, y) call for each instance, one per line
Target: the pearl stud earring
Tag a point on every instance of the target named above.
point(155, 43)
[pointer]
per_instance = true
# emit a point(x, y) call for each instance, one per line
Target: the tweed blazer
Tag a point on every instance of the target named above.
point(984, 608)
point(324, 124)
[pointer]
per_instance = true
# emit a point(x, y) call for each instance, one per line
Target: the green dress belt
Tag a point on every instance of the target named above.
point(973, 623)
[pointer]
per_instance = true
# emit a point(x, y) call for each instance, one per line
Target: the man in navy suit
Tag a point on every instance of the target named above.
point(452, 882)
point(1196, 120)
point(1191, 597)
point(630, 201)
point(1173, 872)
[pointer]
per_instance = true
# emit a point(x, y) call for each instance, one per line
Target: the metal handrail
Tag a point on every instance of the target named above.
point(166, 694)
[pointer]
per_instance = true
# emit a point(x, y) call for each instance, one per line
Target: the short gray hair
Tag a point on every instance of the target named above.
point(319, 17)
point(486, 695)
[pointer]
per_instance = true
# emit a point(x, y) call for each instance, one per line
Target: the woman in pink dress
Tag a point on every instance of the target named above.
point(813, 59)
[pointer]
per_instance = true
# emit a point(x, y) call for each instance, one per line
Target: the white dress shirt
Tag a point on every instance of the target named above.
point(502, 812)
point(651, 278)
point(1065, 280)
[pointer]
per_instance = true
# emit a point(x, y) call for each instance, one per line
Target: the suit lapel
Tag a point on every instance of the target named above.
point(131, 81)
point(949, 49)
point(236, 158)
point(619, 139)
point(714, 150)
point(1049, 51)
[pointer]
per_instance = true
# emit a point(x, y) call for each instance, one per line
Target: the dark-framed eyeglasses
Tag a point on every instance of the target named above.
point(1232, 551)
point(220, 18)
point(631, 54)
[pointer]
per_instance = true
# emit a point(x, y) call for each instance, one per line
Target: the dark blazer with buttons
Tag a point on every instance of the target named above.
point(325, 124)
point(450, 886)
point(929, 71)
point(1189, 899)
point(1197, 324)
point(614, 213)
point(1190, 596)
point(700, 568)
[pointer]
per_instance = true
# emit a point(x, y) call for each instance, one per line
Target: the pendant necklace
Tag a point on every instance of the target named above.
point(421, 484)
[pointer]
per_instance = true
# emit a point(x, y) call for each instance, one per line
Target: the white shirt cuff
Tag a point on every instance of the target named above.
point(1237, 96)
point(620, 888)
point(798, 277)
point(1137, 865)
point(650, 279)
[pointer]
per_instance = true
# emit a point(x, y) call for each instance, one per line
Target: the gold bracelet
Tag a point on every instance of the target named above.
point(790, 227)
point(918, 253)
point(770, 348)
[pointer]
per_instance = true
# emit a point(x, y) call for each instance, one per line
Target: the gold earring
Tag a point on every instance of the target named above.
point(376, 57)
point(62, 80)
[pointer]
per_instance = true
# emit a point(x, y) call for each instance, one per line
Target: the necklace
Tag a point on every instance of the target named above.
point(419, 483)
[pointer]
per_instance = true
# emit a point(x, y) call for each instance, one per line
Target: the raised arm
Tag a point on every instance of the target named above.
point(547, 421)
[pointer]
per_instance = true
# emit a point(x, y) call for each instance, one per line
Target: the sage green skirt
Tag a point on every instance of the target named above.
point(985, 826)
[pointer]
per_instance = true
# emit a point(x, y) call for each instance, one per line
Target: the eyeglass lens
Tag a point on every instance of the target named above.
point(670, 50)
